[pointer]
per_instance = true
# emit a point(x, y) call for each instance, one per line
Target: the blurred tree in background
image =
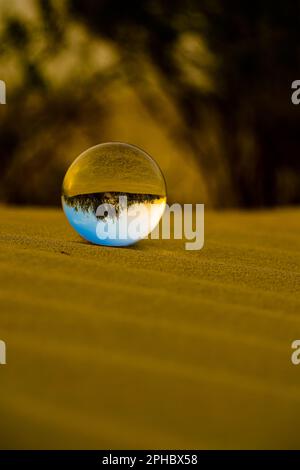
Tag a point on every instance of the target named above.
point(215, 75)
point(49, 107)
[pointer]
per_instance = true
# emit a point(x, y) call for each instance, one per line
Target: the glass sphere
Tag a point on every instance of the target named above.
point(114, 194)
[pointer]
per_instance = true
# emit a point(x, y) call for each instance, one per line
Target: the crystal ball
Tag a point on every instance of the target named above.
point(114, 194)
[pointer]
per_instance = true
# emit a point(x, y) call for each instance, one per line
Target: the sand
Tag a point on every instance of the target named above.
point(150, 346)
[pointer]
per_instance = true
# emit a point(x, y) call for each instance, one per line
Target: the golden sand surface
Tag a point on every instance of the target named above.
point(150, 346)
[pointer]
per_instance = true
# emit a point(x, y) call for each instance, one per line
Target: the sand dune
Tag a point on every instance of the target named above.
point(150, 346)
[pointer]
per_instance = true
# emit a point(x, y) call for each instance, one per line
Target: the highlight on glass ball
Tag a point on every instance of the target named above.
point(114, 194)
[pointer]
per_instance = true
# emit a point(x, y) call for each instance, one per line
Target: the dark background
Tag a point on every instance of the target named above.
point(203, 86)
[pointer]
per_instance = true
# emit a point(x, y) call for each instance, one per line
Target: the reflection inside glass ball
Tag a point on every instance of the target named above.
point(114, 194)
